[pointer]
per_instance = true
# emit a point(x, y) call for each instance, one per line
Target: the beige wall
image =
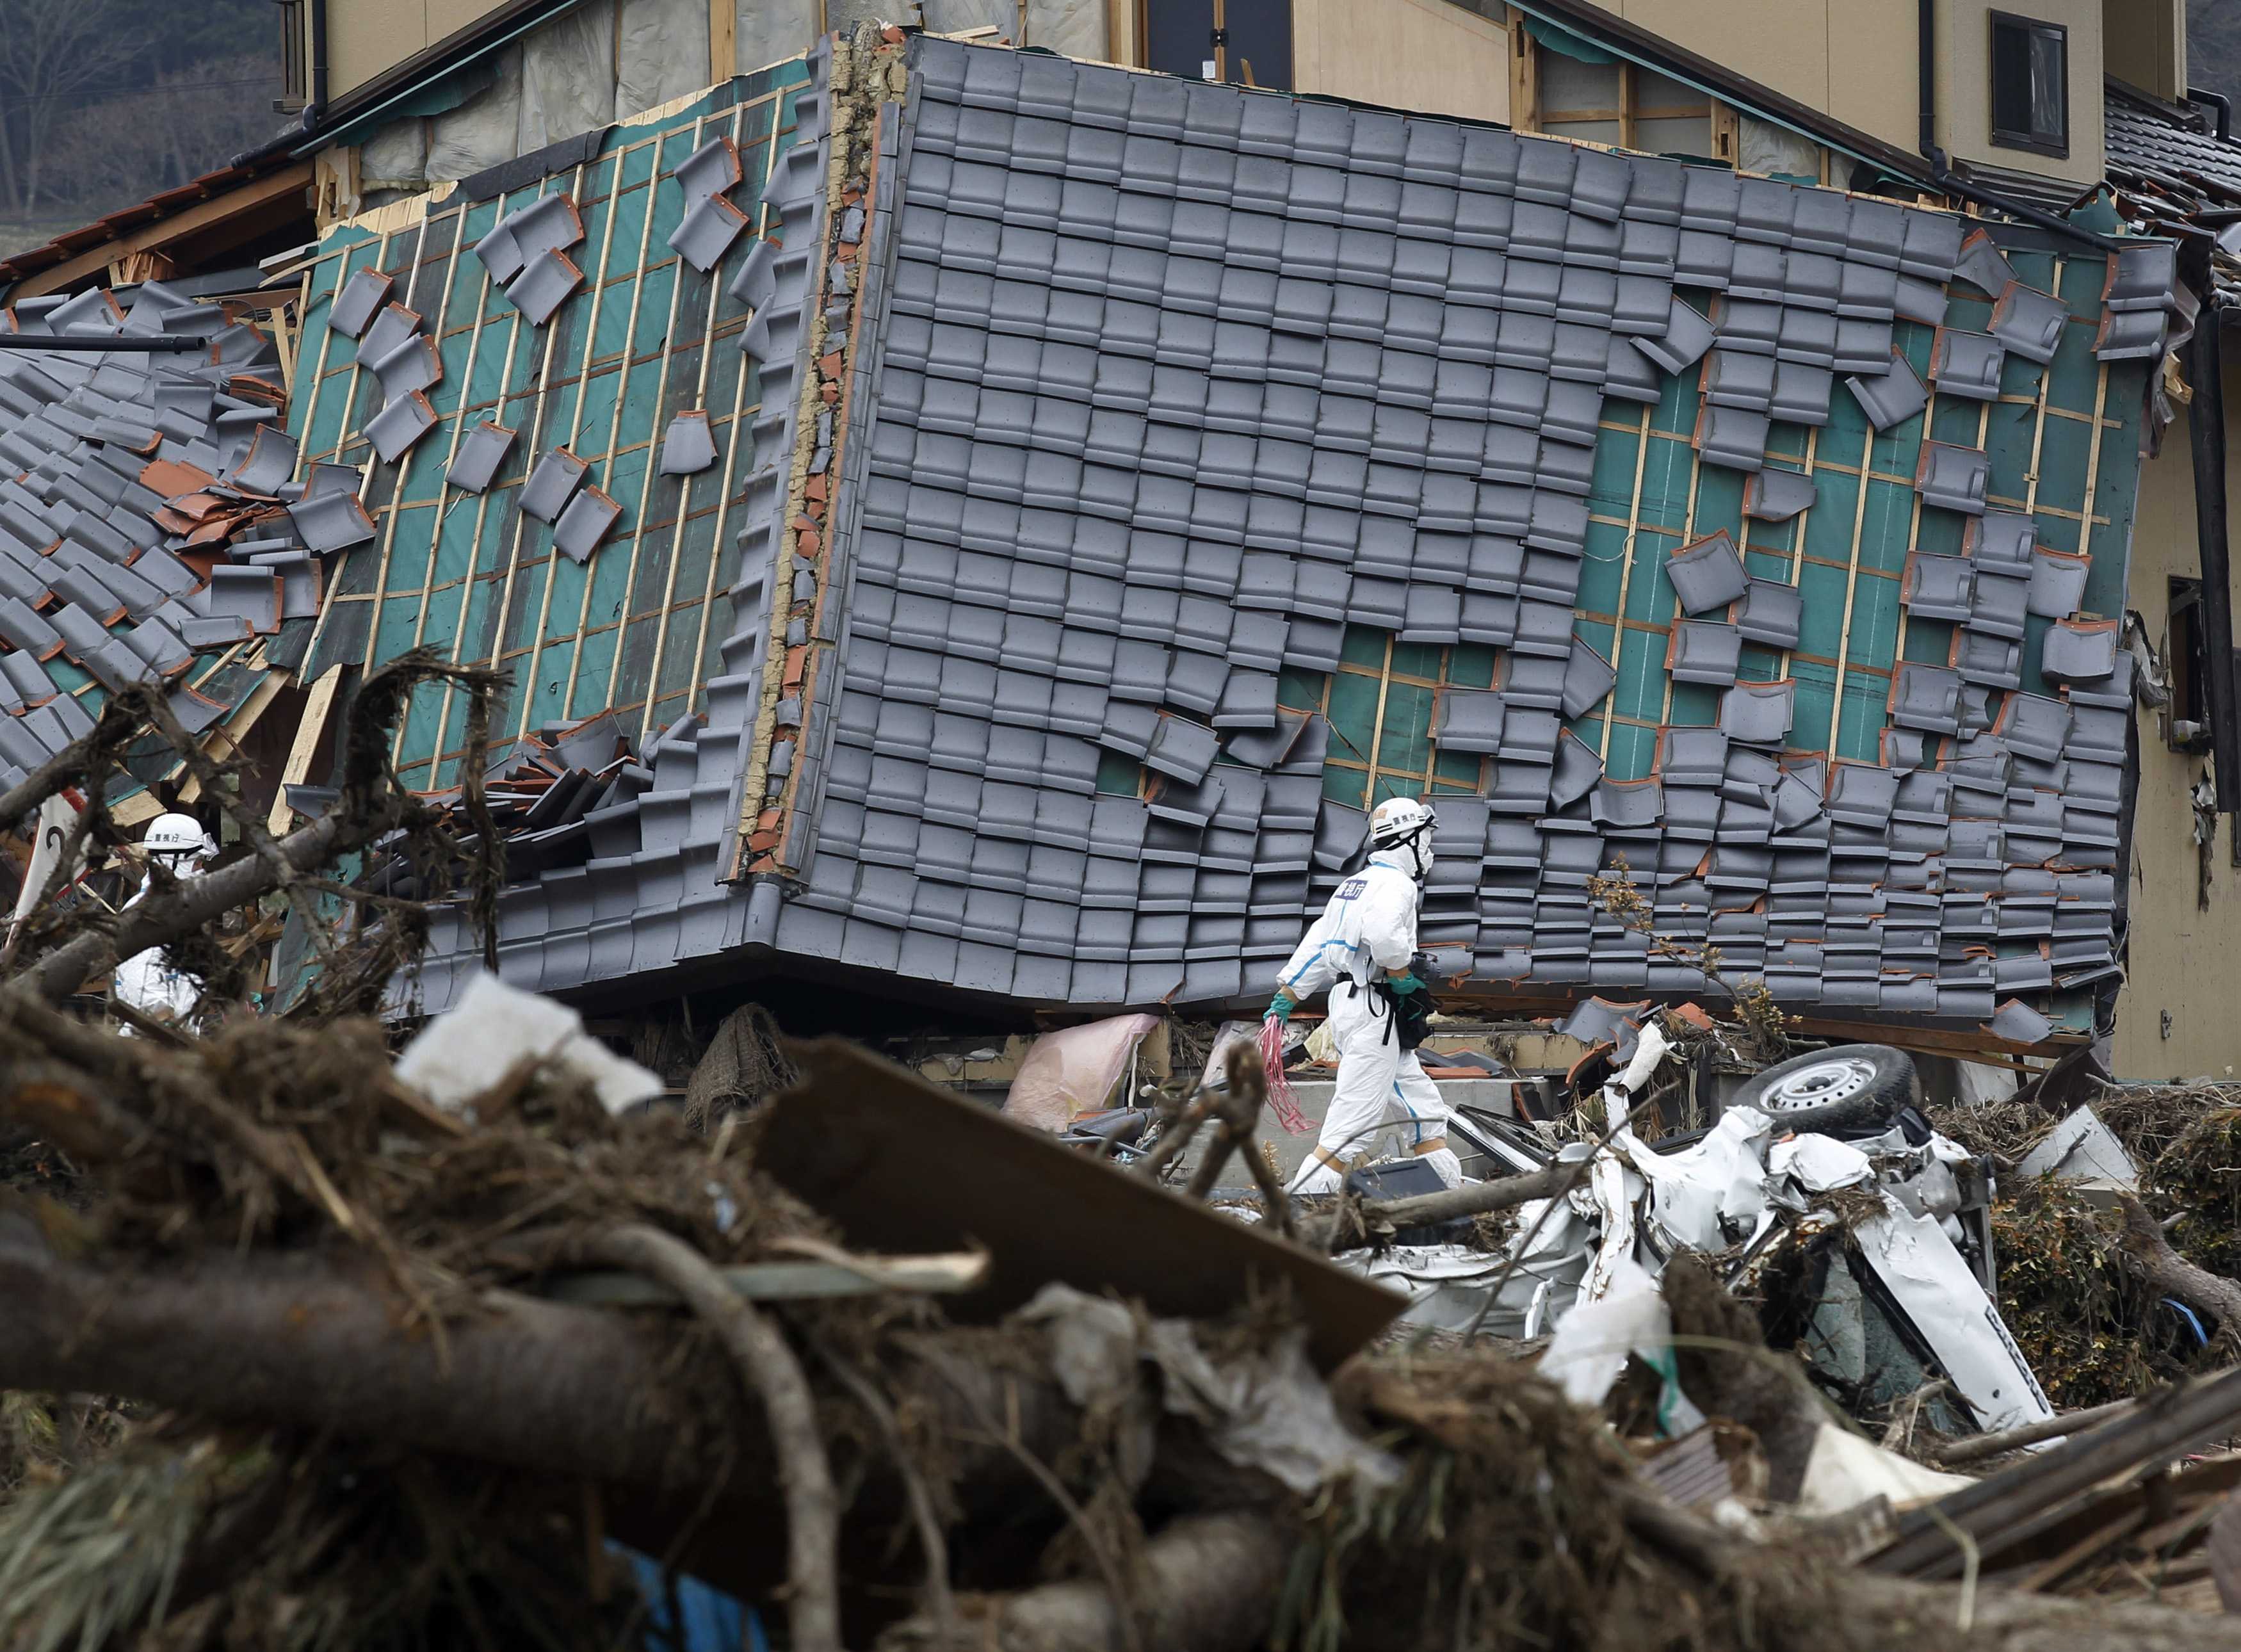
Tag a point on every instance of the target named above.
point(2145, 42)
point(1965, 84)
point(2184, 959)
point(1854, 59)
point(365, 36)
point(1409, 54)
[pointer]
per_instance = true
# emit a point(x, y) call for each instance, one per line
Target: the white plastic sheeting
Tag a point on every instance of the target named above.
point(956, 16)
point(843, 15)
point(770, 31)
point(1842, 1471)
point(1592, 1345)
point(607, 60)
point(567, 78)
point(661, 52)
point(1072, 27)
point(1767, 148)
point(1072, 1071)
point(482, 132)
point(395, 158)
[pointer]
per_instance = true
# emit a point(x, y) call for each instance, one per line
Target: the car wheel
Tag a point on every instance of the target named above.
point(1847, 1086)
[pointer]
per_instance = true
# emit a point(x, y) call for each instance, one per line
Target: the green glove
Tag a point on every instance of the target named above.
point(1280, 1007)
point(1405, 982)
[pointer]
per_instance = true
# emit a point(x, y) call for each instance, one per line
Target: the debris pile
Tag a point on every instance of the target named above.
point(414, 1344)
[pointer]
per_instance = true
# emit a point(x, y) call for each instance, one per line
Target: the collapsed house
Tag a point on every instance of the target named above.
point(1146, 477)
point(989, 524)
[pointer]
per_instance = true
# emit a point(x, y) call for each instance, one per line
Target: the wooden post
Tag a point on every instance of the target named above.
point(1524, 77)
point(723, 39)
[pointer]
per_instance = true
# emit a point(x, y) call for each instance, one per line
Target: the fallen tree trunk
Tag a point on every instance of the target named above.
point(1206, 1583)
point(315, 1342)
point(1976, 1446)
point(2168, 1272)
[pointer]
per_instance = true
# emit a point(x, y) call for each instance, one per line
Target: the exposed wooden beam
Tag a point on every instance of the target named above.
point(723, 39)
point(167, 232)
point(318, 706)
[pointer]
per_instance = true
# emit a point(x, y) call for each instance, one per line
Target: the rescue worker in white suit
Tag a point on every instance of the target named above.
point(146, 980)
point(1368, 934)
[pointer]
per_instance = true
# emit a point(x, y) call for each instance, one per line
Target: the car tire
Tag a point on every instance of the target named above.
point(1846, 1086)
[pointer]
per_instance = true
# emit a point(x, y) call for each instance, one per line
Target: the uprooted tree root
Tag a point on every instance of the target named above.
point(2083, 1301)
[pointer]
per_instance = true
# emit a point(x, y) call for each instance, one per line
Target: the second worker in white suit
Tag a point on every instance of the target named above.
point(1359, 950)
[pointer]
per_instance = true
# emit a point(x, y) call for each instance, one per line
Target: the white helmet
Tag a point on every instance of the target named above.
point(1405, 823)
point(175, 839)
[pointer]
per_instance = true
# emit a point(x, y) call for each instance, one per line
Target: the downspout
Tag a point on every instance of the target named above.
point(1941, 169)
point(2219, 101)
point(1926, 59)
point(316, 111)
point(2206, 426)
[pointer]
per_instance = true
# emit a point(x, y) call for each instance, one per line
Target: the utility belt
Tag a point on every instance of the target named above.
point(1408, 1015)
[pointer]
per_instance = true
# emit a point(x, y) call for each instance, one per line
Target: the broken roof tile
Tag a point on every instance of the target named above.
point(2029, 322)
point(1706, 575)
point(1953, 477)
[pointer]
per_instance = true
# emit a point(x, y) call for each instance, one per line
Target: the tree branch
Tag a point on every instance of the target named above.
point(2168, 1272)
point(73, 763)
point(371, 806)
point(1206, 1583)
point(767, 1367)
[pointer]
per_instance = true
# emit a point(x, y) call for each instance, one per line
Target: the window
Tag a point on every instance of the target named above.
point(295, 58)
point(1254, 47)
point(1570, 89)
point(2030, 84)
point(2187, 721)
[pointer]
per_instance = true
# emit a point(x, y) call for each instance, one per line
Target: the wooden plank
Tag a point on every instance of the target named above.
point(224, 741)
point(723, 39)
point(1524, 77)
point(318, 706)
point(944, 1274)
point(902, 1167)
point(166, 233)
point(1727, 135)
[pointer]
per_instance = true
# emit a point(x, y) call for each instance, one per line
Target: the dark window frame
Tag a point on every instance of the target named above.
point(295, 57)
point(2031, 29)
point(2186, 659)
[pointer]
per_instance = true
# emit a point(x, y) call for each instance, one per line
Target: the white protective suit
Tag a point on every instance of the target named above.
point(1368, 927)
point(147, 981)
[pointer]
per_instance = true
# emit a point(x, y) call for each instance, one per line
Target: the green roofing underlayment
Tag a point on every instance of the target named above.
point(1847, 553)
point(635, 629)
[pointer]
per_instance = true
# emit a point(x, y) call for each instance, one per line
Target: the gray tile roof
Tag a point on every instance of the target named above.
point(1144, 393)
point(110, 460)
